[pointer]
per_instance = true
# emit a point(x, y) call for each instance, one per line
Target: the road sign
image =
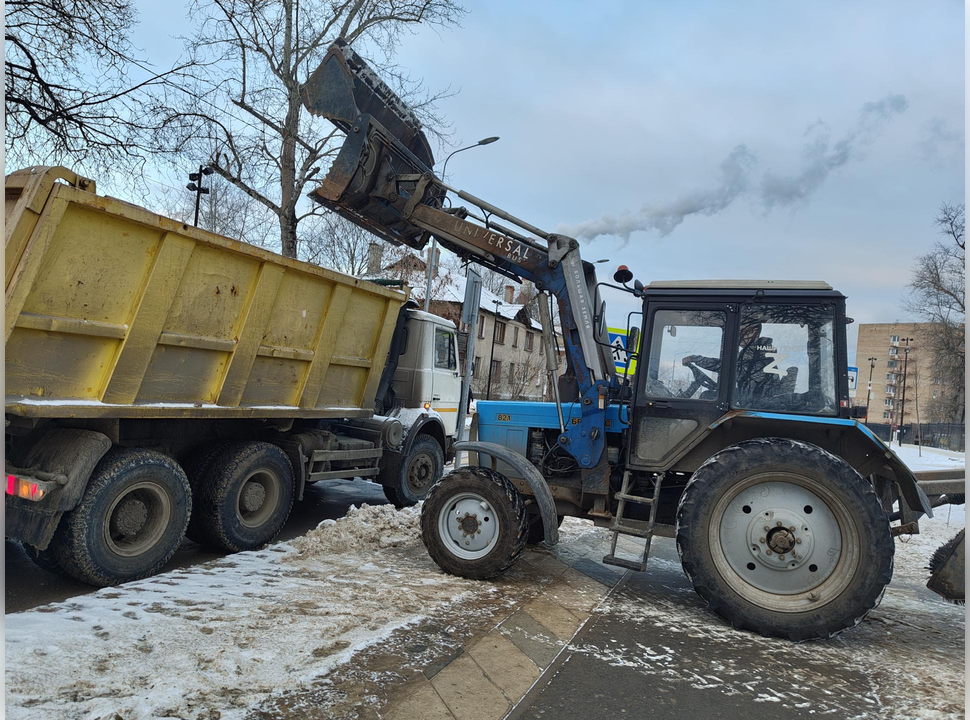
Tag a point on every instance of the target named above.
point(618, 341)
point(853, 380)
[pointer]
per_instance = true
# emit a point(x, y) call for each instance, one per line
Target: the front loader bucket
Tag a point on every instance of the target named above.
point(384, 140)
point(949, 571)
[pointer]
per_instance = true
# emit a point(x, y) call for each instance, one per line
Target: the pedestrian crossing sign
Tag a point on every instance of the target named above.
point(618, 341)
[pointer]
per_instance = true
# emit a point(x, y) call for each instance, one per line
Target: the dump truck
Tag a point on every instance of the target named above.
point(730, 430)
point(162, 380)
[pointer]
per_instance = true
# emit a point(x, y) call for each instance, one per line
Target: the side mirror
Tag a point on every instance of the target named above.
point(623, 275)
point(637, 288)
point(858, 411)
point(633, 341)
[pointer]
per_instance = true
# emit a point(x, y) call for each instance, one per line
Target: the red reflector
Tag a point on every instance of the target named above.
point(11, 485)
point(844, 403)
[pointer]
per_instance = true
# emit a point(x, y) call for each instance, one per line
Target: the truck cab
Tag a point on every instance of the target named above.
point(427, 374)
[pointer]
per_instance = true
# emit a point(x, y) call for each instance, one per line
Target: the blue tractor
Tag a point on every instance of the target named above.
point(730, 429)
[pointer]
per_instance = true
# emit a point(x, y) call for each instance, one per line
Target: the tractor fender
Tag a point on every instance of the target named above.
point(527, 471)
point(849, 439)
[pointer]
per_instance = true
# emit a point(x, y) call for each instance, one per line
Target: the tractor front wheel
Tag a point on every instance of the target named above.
point(474, 523)
point(785, 539)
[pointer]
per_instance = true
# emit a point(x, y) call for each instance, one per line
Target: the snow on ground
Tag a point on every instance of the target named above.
point(929, 458)
point(905, 661)
point(229, 633)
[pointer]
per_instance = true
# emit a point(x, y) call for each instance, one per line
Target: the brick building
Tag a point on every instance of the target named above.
point(887, 344)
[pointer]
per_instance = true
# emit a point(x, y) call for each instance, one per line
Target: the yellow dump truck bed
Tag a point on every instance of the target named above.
point(114, 311)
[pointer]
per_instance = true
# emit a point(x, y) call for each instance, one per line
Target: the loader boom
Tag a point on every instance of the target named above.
point(383, 180)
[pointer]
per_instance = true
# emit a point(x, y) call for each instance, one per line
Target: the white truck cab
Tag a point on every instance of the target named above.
point(427, 375)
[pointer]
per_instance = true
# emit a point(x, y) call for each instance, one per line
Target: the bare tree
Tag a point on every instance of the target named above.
point(938, 296)
point(526, 381)
point(75, 90)
point(244, 98)
point(335, 242)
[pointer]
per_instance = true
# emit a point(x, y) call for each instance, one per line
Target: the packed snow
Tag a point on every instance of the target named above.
point(928, 458)
point(229, 633)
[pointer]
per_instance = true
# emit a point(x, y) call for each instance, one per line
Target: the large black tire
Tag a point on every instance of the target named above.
point(129, 522)
point(196, 466)
point(506, 504)
point(413, 477)
point(244, 497)
point(837, 550)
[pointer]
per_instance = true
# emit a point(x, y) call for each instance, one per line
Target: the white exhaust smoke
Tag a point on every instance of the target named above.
point(820, 159)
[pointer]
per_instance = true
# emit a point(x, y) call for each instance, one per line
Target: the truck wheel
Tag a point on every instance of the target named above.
point(783, 538)
point(196, 466)
point(418, 472)
point(245, 497)
point(474, 523)
point(129, 522)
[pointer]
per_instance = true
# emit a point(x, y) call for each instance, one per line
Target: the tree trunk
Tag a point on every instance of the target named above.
point(288, 232)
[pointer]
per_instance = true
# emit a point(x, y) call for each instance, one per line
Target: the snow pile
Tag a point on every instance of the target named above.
point(229, 634)
point(369, 527)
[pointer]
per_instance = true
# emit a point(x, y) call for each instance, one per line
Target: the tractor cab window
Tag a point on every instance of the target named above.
point(685, 354)
point(786, 359)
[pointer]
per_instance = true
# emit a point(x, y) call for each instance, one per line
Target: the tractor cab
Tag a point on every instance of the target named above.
point(715, 349)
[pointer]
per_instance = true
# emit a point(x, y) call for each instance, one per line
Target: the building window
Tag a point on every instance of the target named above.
point(886, 415)
point(894, 338)
point(481, 326)
point(511, 373)
point(497, 369)
point(529, 340)
point(890, 390)
point(936, 392)
point(542, 348)
point(515, 336)
point(893, 351)
point(500, 332)
point(891, 365)
point(891, 377)
point(477, 367)
point(889, 402)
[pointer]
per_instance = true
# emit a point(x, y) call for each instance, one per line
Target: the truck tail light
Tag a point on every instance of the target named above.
point(26, 488)
point(427, 406)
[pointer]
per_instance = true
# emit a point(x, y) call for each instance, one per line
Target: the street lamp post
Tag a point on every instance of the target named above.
point(491, 353)
point(434, 241)
point(872, 364)
point(196, 186)
point(902, 404)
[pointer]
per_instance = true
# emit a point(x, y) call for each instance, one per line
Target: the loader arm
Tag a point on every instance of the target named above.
point(383, 180)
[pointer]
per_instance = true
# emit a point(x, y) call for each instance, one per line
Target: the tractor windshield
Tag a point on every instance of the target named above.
point(786, 359)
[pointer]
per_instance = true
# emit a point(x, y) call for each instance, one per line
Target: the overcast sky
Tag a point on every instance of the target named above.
point(709, 139)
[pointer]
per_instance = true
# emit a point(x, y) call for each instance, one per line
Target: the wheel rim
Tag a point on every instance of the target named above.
point(137, 519)
point(468, 526)
point(806, 557)
point(258, 498)
point(420, 473)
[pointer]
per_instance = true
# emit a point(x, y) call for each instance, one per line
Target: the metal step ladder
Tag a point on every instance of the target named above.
point(636, 528)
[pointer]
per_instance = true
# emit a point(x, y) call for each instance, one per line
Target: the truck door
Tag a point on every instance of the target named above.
point(446, 382)
point(681, 379)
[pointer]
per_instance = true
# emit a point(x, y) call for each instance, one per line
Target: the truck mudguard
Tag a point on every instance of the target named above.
point(71, 456)
point(527, 471)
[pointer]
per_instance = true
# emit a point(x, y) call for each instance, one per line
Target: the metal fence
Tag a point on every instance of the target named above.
point(947, 436)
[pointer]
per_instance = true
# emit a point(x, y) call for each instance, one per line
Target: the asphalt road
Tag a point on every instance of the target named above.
point(27, 586)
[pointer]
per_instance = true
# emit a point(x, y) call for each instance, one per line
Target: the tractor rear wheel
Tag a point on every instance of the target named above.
point(474, 523)
point(785, 539)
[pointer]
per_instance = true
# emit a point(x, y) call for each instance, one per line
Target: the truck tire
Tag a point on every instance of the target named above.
point(458, 540)
point(785, 539)
point(129, 522)
point(196, 466)
point(421, 469)
point(244, 498)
